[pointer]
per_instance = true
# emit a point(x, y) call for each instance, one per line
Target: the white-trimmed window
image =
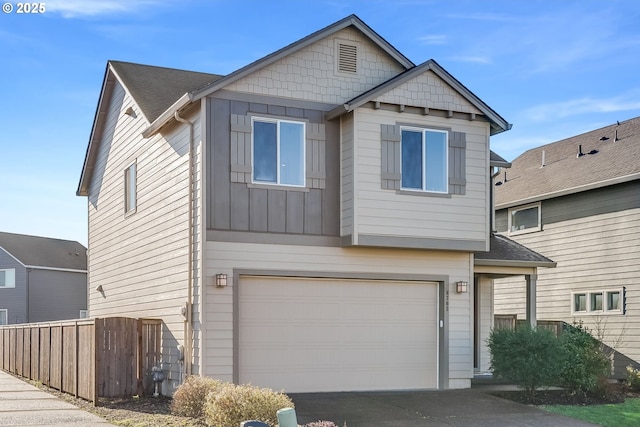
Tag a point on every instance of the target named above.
point(8, 278)
point(598, 302)
point(130, 188)
point(424, 162)
point(525, 219)
point(83, 314)
point(4, 316)
point(278, 152)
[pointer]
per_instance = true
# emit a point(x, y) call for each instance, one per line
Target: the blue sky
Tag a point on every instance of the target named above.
point(552, 68)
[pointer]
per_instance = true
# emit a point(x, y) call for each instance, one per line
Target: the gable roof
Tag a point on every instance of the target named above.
point(349, 21)
point(498, 124)
point(564, 172)
point(505, 252)
point(155, 89)
point(497, 160)
point(45, 252)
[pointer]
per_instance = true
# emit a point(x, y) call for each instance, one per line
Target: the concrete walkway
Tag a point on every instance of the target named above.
point(22, 404)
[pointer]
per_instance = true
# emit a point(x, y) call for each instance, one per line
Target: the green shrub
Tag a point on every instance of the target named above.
point(232, 404)
point(526, 356)
point(189, 399)
point(582, 362)
point(633, 378)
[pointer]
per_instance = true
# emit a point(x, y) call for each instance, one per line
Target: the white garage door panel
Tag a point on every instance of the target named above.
point(337, 335)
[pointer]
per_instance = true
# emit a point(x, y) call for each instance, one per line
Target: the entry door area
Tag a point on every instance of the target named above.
point(313, 335)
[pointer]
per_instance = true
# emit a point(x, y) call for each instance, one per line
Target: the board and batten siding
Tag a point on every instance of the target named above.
point(382, 212)
point(593, 252)
point(235, 204)
point(141, 259)
point(225, 257)
point(311, 73)
point(14, 300)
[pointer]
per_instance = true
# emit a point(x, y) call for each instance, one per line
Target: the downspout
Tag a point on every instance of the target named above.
point(188, 331)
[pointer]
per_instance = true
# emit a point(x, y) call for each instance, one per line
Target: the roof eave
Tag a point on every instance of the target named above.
point(566, 192)
point(96, 130)
point(500, 164)
point(512, 263)
point(168, 115)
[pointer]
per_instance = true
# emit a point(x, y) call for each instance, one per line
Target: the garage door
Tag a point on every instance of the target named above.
point(306, 335)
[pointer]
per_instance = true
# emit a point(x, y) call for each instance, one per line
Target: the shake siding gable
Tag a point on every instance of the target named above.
point(141, 260)
point(310, 73)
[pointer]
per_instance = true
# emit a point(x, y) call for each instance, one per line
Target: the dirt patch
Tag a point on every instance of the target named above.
point(130, 412)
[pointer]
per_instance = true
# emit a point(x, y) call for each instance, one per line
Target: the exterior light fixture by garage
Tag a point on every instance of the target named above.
point(462, 287)
point(221, 280)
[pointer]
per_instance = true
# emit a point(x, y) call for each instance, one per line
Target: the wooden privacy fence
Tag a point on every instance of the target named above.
point(510, 321)
point(102, 357)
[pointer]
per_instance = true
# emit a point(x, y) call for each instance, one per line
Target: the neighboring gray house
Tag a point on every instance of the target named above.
point(307, 222)
point(578, 202)
point(41, 279)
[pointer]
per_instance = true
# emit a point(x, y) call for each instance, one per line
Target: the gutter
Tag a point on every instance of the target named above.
point(171, 112)
point(188, 329)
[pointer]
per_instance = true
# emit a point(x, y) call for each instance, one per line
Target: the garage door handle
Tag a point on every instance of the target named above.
point(442, 323)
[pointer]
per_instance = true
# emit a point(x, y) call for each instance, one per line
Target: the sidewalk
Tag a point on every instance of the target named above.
point(22, 404)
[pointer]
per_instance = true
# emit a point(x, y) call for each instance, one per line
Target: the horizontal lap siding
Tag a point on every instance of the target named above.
point(224, 257)
point(140, 260)
point(384, 212)
point(596, 252)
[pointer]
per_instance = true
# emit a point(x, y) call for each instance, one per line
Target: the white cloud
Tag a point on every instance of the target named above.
point(575, 107)
point(433, 39)
point(76, 8)
point(473, 59)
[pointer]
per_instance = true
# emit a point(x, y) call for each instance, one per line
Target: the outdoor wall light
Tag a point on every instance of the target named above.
point(462, 287)
point(221, 280)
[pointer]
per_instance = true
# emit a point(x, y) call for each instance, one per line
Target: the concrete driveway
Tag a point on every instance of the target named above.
point(470, 407)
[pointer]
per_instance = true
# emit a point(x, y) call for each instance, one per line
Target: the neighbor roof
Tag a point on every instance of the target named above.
point(155, 89)
point(606, 161)
point(505, 252)
point(45, 252)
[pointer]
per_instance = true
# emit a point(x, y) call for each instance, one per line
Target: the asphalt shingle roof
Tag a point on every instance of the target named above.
point(45, 251)
point(155, 89)
point(502, 249)
point(565, 172)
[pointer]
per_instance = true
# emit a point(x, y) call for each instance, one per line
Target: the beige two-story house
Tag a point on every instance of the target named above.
point(307, 222)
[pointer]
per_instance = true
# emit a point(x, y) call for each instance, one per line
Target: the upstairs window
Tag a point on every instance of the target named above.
point(597, 302)
point(130, 190)
point(8, 278)
point(525, 219)
point(278, 152)
point(424, 160)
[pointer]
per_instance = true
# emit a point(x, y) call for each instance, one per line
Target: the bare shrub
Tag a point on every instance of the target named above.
point(189, 399)
point(232, 404)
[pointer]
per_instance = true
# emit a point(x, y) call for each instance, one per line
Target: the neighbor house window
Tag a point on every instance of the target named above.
point(278, 152)
point(130, 188)
point(525, 219)
point(597, 302)
point(8, 278)
point(424, 160)
point(4, 317)
point(83, 314)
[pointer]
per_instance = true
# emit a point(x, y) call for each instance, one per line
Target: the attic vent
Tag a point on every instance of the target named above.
point(347, 58)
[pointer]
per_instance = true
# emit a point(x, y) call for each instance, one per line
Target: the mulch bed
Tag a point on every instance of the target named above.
point(615, 393)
